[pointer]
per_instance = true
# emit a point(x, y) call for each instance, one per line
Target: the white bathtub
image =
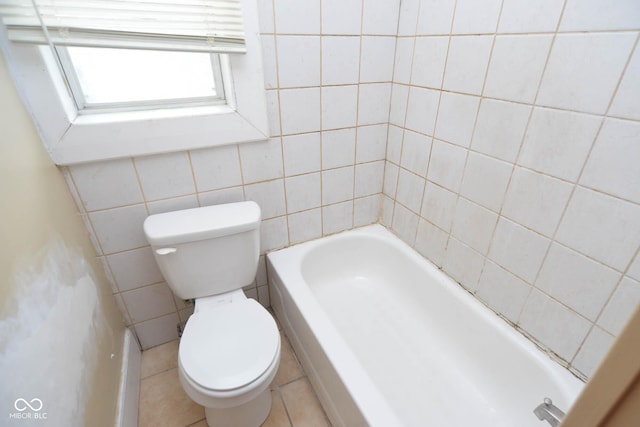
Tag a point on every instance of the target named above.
point(387, 339)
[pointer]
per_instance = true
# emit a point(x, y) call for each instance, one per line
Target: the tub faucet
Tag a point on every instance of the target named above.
point(549, 412)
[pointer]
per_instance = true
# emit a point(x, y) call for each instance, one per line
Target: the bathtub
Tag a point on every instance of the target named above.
point(387, 339)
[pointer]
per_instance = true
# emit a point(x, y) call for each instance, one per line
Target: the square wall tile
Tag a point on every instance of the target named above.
point(269, 64)
point(456, 118)
point(403, 60)
point(120, 229)
point(626, 103)
point(303, 192)
point(157, 331)
point(369, 178)
point(473, 225)
point(304, 226)
point(261, 161)
point(410, 190)
point(394, 144)
point(398, 108)
point(476, 16)
point(298, 61)
point(436, 17)
point(634, 268)
point(301, 153)
point(376, 63)
point(371, 143)
point(294, 17)
point(429, 58)
point(422, 108)
point(149, 302)
point(339, 106)
point(340, 60)
point(338, 148)
point(390, 183)
point(554, 325)
point(485, 180)
point(337, 185)
point(173, 204)
point(366, 210)
point(269, 195)
point(530, 16)
point(165, 175)
point(593, 351)
point(135, 268)
point(380, 18)
point(216, 168)
point(558, 142)
point(431, 242)
point(300, 110)
point(592, 15)
point(336, 218)
point(265, 15)
point(447, 165)
point(273, 112)
point(405, 224)
point(584, 69)
point(503, 291)
point(438, 206)
point(217, 197)
point(576, 281)
point(273, 234)
point(621, 306)
point(416, 149)
point(463, 264)
point(107, 184)
point(467, 63)
point(601, 226)
point(373, 103)
point(408, 17)
point(341, 16)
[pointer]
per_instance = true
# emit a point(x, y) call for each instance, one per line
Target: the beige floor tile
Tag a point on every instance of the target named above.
point(159, 359)
point(289, 368)
point(163, 402)
point(302, 406)
point(278, 415)
point(201, 423)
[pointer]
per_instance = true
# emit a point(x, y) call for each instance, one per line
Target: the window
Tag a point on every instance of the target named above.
point(111, 92)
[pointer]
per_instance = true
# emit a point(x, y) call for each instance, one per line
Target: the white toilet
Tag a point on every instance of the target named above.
point(230, 348)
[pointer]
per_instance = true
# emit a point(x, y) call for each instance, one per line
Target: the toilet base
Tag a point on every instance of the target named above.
point(250, 414)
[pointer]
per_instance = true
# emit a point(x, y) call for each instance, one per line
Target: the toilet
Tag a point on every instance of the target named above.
point(230, 348)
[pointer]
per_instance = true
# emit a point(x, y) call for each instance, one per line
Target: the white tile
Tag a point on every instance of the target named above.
point(386, 211)
point(410, 190)
point(107, 184)
point(294, 17)
point(298, 61)
point(123, 309)
point(634, 268)
point(485, 180)
point(436, 17)
point(218, 197)
point(261, 160)
point(558, 142)
point(467, 63)
point(593, 351)
point(303, 192)
point(456, 118)
point(415, 152)
point(398, 108)
point(422, 109)
point(337, 185)
point(612, 166)
point(149, 302)
point(120, 229)
point(529, 16)
point(428, 61)
point(366, 210)
point(380, 17)
point(473, 225)
point(403, 60)
point(621, 306)
point(173, 204)
point(273, 112)
point(446, 165)
point(216, 168)
point(503, 291)
point(376, 62)
point(603, 227)
point(554, 325)
point(305, 226)
point(516, 67)
point(408, 17)
point(584, 69)
point(593, 15)
point(476, 16)
point(338, 148)
point(269, 64)
point(576, 281)
point(500, 128)
point(157, 331)
point(394, 144)
point(626, 103)
point(336, 218)
point(300, 110)
point(339, 106)
point(371, 143)
point(405, 224)
point(135, 268)
point(390, 183)
point(340, 60)
point(373, 103)
point(368, 179)
point(273, 234)
point(518, 249)
point(92, 233)
point(269, 195)
point(165, 175)
point(72, 188)
point(431, 242)
point(463, 264)
point(438, 206)
point(536, 201)
point(301, 153)
point(341, 16)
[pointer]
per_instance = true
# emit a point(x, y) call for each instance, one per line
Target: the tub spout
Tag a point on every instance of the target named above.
point(549, 412)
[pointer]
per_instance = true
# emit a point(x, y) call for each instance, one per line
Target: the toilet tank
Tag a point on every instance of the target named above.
point(206, 251)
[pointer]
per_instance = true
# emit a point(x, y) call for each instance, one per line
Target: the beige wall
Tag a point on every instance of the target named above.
point(60, 332)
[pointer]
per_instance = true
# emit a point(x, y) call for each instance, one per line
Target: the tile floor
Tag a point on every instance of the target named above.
point(163, 403)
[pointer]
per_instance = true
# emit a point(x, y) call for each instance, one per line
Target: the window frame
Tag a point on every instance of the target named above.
point(71, 137)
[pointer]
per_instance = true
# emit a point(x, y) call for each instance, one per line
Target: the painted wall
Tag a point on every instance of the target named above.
point(512, 160)
point(58, 324)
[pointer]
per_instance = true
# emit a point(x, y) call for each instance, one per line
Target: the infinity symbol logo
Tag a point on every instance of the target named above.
point(21, 404)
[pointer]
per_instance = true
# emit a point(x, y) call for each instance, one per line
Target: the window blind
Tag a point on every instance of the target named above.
point(182, 25)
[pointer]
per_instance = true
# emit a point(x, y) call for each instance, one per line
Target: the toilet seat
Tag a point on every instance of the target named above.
point(228, 347)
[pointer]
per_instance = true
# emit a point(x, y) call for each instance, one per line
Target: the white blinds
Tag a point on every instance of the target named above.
point(184, 25)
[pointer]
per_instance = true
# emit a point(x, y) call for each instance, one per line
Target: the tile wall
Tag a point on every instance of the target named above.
point(513, 160)
point(328, 71)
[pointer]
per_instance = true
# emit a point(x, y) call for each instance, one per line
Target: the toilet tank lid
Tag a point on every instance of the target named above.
point(208, 222)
